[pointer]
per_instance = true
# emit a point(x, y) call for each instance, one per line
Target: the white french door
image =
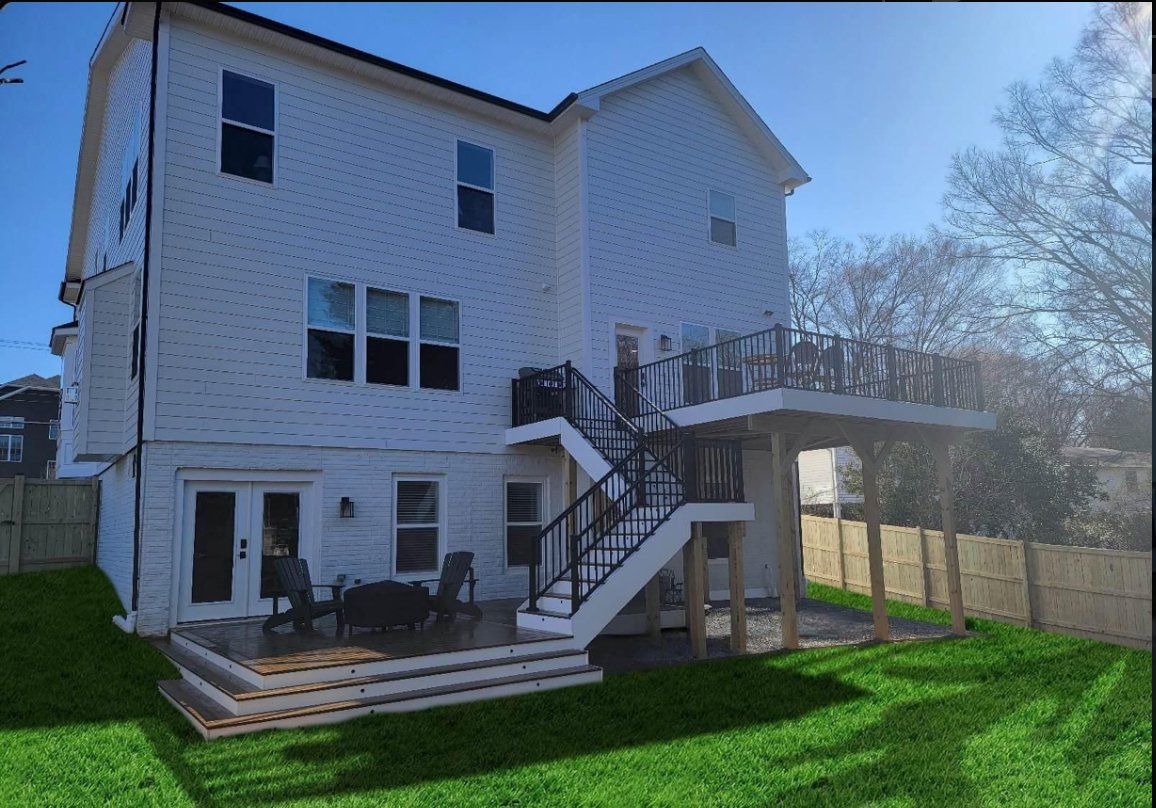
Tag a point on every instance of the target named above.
point(231, 533)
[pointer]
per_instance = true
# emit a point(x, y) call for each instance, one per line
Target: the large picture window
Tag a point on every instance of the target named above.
point(248, 124)
point(524, 519)
point(418, 524)
point(331, 330)
point(475, 187)
point(438, 348)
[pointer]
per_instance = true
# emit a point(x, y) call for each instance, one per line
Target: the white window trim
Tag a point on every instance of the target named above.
point(8, 441)
point(54, 424)
point(491, 191)
point(357, 331)
point(415, 348)
point(12, 422)
point(221, 120)
point(734, 221)
point(543, 514)
point(363, 303)
point(443, 498)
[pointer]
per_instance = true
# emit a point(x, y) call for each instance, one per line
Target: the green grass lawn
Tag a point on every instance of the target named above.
point(1011, 717)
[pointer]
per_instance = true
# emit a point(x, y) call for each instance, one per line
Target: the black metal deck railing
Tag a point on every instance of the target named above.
point(802, 360)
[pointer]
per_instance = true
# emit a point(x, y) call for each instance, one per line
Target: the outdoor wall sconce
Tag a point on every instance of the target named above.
point(664, 343)
point(346, 508)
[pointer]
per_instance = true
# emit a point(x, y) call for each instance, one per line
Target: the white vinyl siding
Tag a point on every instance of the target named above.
point(363, 177)
point(571, 302)
point(653, 151)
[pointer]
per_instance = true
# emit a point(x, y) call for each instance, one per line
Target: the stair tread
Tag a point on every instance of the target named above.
point(242, 690)
point(211, 715)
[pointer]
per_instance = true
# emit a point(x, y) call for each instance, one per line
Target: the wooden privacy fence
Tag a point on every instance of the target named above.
point(1087, 592)
point(46, 524)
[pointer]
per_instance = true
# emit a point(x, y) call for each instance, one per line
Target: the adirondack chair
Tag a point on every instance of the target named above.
point(457, 570)
point(297, 587)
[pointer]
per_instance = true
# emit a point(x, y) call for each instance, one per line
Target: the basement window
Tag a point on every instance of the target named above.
point(248, 122)
point(475, 187)
point(330, 330)
point(524, 520)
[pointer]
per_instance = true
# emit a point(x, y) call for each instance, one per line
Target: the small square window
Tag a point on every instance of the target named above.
point(247, 100)
point(246, 153)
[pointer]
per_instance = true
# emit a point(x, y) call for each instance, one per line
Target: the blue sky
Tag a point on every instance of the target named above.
point(871, 98)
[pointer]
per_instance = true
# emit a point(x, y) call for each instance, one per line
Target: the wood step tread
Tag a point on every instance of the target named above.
point(243, 691)
point(549, 612)
point(211, 715)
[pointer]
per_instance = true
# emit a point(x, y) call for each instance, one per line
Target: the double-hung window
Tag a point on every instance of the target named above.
point(129, 170)
point(438, 347)
point(419, 524)
point(524, 519)
point(386, 337)
point(723, 227)
point(475, 187)
point(248, 127)
point(11, 422)
point(11, 448)
point(331, 330)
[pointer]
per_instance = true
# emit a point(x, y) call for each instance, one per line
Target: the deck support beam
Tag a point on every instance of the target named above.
point(735, 533)
point(785, 452)
point(693, 553)
point(871, 459)
point(940, 446)
point(654, 608)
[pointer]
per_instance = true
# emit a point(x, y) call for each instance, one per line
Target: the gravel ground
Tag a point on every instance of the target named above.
point(820, 624)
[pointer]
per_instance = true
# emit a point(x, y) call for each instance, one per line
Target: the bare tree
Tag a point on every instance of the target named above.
point(1068, 200)
point(921, 293)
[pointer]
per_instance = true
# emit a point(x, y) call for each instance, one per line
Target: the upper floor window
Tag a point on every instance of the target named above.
point(53, 429)
point(130, 162)
point(475, 187)
point(248, 124)
point(331, 328)
point(438, 349)
point(723, 229)
point(11, 448)
point(386, 337)
point(11, 422)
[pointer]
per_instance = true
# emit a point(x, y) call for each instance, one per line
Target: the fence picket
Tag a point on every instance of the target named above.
point(47, 524)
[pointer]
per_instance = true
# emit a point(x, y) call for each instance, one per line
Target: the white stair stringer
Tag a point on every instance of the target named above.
point(608, 599)
point(583, 452)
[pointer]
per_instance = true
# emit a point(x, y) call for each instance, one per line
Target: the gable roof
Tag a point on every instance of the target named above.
point(35, 381)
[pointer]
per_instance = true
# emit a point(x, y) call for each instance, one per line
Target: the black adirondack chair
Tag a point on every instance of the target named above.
point(297, 587)
point(457, 570)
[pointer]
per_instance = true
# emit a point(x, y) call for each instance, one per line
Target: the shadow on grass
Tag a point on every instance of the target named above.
point(393, 751)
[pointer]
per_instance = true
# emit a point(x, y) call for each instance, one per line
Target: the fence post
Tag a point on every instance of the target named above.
point(1029, 617)
point(924, 589)
point(839, 538)
point(16, 538)
point(937, 379)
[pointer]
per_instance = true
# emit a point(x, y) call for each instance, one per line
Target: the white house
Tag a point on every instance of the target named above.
point(306, 280)
point(1125, 478)
point(823, 477)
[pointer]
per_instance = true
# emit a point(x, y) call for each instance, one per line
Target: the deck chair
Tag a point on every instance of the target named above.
point(457, 570)
point(296, 586)
point(801, 365)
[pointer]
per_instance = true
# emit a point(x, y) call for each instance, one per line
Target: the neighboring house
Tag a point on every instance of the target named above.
point(1125, 477)
point(823, 477)
point(29, 424)
point(312, 286)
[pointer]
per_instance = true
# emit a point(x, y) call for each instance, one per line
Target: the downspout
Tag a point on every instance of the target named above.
point(141, 339)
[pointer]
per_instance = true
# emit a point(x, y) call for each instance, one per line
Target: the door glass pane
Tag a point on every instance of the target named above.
point(627, 346)
point(214, 526)
point(280, 535)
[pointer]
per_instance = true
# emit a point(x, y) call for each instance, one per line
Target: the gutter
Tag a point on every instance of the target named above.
point(130, 620)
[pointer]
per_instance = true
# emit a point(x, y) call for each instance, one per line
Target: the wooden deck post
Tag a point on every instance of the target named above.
point(941, 449)
point(16, 536)
point(870, 460)
point(788, 596)
point(840, 561)
point(692, 554)
point(654, 608)
point(1029, 612)
point(921, 547)
point(737, 587)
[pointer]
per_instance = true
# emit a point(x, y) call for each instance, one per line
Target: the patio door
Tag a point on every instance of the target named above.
point(231, 533)
point(630, 351)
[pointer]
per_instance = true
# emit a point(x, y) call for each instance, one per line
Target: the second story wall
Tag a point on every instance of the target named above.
point(363, 193)
point(653, 152)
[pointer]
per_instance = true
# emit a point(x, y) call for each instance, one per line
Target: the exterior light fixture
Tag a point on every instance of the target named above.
point(664, 343)
point(346, 508)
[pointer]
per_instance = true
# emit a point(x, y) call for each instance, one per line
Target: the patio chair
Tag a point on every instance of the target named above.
point(457, 570)
point(801, 365)
point(297, 587)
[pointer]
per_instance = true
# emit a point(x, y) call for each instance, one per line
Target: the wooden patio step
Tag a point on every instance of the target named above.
point(211, 720)
point(243, 691)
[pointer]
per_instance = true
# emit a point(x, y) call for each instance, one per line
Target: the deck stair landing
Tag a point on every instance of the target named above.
point(235, 680)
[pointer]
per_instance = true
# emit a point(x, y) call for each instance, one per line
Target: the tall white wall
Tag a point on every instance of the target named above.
point(572, 314)
point(654, 150)
point(115, 527)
